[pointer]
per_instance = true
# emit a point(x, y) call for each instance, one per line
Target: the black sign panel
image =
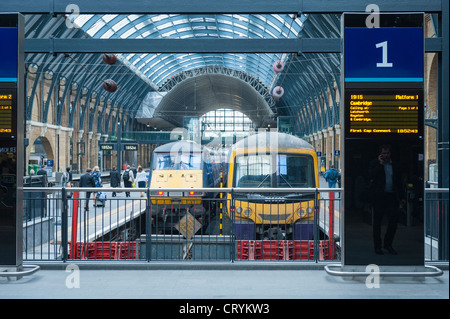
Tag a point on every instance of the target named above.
point(383, 126)
point(388, 113)
point(11, 138)
point(108, 146)
point(8, 113)
point(130, 147)
point(8, 205)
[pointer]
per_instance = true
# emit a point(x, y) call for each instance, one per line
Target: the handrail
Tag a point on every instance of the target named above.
point(436, 272)
point(216, 189)
point(33, 269)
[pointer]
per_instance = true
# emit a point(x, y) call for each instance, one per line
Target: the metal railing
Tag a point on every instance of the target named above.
point(152, 228)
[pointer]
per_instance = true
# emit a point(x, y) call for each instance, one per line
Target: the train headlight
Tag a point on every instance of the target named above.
point(309, 210)
point(302, 212)
point(245, 211)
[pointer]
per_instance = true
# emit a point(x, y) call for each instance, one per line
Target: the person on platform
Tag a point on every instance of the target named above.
point(128, 179)
point(98, 181)
point(332, 176)
point(385, 188)
point(43, 173)
point(66, 178)
point(66, 181)
point(87, 180)
point(115, 179)
point(141, 178)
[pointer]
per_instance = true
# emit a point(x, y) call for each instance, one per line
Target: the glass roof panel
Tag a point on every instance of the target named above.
point(159, 67)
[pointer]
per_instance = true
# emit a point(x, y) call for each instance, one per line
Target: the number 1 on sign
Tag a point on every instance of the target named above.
point(384, 64)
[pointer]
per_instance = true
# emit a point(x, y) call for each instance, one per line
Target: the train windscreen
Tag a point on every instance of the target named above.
point(175, 161)
point(281, 170)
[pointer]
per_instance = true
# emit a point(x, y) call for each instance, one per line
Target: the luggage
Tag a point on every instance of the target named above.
point(100, 199)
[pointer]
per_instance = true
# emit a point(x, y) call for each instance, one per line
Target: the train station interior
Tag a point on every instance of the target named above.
point(107, 83)
point(69, 111)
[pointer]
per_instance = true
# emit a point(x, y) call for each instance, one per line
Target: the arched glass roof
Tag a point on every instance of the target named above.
point(306, 78)
point(159, 67)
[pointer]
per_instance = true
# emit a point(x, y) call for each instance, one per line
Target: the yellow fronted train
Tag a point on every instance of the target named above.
point(277, 161)
point(186, 165)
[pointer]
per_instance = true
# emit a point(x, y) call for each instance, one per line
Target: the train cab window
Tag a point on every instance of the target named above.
point(295, 171)
point(253, 171)
point(168, 161)
point(268, 170)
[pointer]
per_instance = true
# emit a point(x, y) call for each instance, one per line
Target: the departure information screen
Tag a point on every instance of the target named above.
point(384, 111)
point(7, 109)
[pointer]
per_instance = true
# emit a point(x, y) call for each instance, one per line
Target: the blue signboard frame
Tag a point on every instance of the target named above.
point(8, 54)
point(384, 55)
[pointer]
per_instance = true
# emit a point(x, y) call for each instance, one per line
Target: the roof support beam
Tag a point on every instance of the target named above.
point(213, 7)
point(195, 45)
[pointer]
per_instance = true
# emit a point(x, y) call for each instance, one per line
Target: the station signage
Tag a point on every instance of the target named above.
point(130, 147)
point(114, 146)
point(8, 105)
point(108, 146)
point(11, 139)
point(384, 112)
point(382, 76)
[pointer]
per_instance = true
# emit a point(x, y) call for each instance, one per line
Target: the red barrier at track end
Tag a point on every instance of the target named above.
point(73, 238)
point(331, 224)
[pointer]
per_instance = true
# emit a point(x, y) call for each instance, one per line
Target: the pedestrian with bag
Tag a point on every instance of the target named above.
point(332, 176)
point(87, 180)
point(66, 181)
point(128, 179)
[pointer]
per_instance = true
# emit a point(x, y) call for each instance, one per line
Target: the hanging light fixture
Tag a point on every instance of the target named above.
point(277, 92)
point(110, 85)
point(278, 66)
point(109, 58)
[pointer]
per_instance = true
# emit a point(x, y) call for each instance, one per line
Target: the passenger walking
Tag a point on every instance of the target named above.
point(87, 180)
point(98, 181)
point(115, 179)
point(43, 173)
point(66, 178)
point(332, 176)
point(141, 178)
point(128, 179)
point(66, 181)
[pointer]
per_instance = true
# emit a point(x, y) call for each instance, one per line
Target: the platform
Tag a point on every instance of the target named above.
point(226, 281)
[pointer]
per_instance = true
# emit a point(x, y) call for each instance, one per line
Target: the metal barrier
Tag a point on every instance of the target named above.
point(177, 224)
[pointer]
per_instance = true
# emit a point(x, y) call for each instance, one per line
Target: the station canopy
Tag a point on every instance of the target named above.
point(162, 88)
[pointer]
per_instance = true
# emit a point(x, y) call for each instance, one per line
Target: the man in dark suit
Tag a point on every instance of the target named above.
point(43, 173)
point(87, 180)
point(386, 189)
point(115, 179)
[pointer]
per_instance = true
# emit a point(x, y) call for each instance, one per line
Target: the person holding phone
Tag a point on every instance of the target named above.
point(385, 187)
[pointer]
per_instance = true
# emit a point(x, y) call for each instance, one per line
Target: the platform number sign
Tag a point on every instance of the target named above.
point(385, 63)
point(383, 101)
